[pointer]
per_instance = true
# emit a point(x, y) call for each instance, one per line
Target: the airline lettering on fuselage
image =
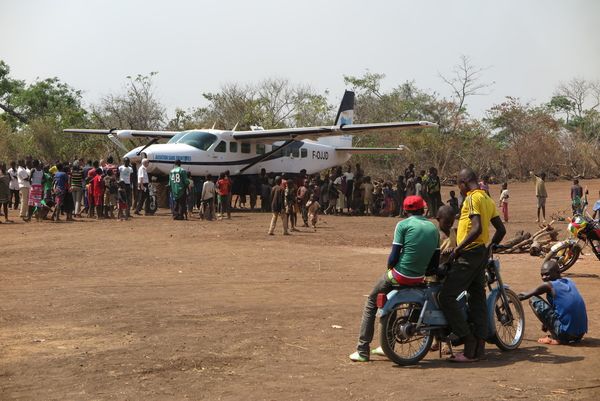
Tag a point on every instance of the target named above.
point(173, 158)
point(321, 155)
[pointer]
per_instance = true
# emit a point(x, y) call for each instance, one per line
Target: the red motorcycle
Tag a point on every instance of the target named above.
point(584, 230)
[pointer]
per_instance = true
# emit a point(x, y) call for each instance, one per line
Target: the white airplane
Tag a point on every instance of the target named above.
point(286, 150)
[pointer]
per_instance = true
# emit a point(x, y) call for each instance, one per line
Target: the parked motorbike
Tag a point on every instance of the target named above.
point(584, 230)
point(411, 317)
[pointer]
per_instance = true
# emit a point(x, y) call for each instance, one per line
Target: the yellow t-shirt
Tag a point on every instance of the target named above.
point(477, 202)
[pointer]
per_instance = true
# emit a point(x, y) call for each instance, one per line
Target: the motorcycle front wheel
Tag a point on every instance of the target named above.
point(565, 256)
point(400, 340)
point(508, 318)
point(152, 204)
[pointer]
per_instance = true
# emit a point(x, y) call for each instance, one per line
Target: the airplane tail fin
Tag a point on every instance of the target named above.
point(345, 113)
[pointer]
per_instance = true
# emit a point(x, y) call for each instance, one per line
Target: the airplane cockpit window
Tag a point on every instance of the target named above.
point(221, 147)
point(199, 140)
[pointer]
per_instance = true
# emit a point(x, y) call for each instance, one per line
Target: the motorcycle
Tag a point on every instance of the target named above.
point(152, 199)
point(411, 317)
point(584, 230)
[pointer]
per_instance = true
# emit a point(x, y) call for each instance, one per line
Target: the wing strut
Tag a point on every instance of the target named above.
point(152, 142)
point(267, 155)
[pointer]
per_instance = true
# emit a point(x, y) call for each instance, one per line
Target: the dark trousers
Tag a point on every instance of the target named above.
point(367, 325)
point(142, 199)
point(466, 273)
point(180, 207)
point(544, 311)
point(13, 200)
point(127, 198)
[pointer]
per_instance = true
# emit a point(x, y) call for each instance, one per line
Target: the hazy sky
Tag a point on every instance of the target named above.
point(197, 46)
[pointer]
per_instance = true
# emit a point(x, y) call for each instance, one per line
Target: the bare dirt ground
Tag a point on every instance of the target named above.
point(156, 309)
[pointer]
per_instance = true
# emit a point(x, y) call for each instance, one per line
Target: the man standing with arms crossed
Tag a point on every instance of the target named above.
point(142, 185)
point(467, 271)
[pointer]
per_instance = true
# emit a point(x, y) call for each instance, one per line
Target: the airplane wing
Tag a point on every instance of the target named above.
point(124, 133)
point(271, 135)
point(400, 148)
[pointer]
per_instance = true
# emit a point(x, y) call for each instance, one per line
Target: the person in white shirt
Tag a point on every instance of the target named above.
point(24, 181)
point(125, 172)
point(142, 185)
point(13, 186)
point(503, 203)
point(208, 199)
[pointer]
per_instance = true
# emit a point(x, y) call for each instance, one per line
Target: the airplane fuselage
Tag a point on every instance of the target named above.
point(204, 152)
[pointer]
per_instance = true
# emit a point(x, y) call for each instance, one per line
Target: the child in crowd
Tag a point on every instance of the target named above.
point(313, 207)
point(290, 204)
point(503, 203)
point(122, 201)
point(110, 194)
point(453, 203)
point(445, 217)
point(367, 195)
point(97, 191)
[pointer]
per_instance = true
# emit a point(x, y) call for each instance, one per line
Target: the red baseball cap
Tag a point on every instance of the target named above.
point(413, 202)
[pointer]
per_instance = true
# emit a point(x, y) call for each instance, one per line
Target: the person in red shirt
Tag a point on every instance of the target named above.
point(223, 191)
point(97, 188)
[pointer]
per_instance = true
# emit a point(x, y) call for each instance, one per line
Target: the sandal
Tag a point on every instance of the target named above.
point(461, 358)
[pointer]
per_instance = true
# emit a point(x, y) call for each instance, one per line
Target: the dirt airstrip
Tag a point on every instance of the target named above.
point(156, 309)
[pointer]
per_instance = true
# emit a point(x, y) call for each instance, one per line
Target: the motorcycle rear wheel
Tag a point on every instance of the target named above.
point(509, 332)
point(400, 342)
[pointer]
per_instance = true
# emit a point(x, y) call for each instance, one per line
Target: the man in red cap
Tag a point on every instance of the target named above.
point(415, 242)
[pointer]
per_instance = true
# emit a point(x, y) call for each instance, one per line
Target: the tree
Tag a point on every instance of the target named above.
point(136, 108)
point(48, 98)
point(273, 103)
point(580, 92)
point(465, 81)
point(529, 135)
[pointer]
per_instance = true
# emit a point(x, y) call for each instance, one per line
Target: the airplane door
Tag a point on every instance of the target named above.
point(220, 151)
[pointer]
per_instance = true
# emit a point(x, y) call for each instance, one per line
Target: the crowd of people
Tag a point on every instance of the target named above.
point(102, 189)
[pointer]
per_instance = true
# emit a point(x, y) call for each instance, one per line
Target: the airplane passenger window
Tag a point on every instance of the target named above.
point(245, 147)
point(260, 149)
point(287, 152)
point(233, 147)
point(221, 147)
point(303, 153)
point(296, 152)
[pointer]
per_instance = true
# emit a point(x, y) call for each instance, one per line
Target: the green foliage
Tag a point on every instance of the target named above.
point(48, 98)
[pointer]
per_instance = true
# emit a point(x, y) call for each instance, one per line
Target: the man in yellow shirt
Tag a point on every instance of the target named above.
point(468, 266)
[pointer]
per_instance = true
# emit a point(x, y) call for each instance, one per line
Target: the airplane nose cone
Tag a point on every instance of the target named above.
point(133, 155)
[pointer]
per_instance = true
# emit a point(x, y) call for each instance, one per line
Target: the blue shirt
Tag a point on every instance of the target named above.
point(569, 307)
point(60, 179)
